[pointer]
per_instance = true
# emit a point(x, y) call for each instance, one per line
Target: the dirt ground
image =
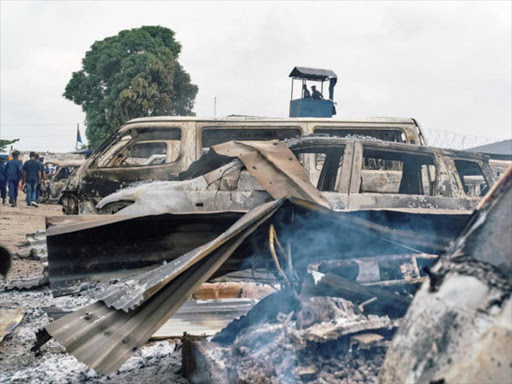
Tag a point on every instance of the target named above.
point(16, 222)
point(156, 362)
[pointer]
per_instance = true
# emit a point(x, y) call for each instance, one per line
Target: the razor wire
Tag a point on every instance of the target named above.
point(453, 140)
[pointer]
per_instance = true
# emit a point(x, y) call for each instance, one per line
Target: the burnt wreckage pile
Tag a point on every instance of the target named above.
point(345, 279)
point(321, 338)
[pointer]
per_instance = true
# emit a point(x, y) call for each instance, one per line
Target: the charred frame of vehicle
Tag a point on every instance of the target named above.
point(350, 174)
point(159, 148)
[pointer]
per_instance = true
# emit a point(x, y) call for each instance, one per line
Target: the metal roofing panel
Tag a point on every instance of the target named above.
point(500, 149)
point(312, 73)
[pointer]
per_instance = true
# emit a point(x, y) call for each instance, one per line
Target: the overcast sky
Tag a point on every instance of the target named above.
point(446, 64)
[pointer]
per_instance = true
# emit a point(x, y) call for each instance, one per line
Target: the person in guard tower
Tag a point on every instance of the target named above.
point(305, 89)
point(317, 95)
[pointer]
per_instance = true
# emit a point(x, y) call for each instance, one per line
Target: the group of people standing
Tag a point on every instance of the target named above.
point(31, 173)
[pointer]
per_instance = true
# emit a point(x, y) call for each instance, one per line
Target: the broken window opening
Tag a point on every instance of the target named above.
point(149, 147)
point(472, 178)
point(212, 136)
point(393, 135)
point(328, 166)
point(146, 153)
point(390, 172)
point(63, 173)
point(116, 146)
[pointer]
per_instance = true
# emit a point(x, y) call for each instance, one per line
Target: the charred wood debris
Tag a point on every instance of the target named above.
point(335, 296)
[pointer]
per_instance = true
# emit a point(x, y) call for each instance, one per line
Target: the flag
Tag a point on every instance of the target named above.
point(78, 137)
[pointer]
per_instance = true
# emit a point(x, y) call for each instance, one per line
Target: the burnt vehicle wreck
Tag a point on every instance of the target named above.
point(55, 182)
point(351, 173)
point(159, 148)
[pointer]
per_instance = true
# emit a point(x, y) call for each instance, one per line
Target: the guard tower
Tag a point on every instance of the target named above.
point(313, 105)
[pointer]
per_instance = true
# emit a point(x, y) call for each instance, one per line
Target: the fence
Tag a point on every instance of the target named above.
point(452, 140)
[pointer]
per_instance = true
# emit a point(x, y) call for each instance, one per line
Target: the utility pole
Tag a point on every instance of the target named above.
point(215, 107)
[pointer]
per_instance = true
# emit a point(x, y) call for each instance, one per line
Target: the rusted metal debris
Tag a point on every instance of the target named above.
point(231, 290)
point(382, 270)
point(321, 284)
point(459, 326)
point(275, 168)
point(112, 247)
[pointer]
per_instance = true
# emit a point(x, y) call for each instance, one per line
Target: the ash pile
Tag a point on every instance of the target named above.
point(290, 338)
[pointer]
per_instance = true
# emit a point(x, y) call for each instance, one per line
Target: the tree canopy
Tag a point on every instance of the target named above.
point(133, 74)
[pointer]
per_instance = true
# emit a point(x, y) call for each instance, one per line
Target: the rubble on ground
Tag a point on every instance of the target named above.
point(321, 340)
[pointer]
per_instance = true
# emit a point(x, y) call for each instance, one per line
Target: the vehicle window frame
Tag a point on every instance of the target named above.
point(134, 133)
point(488, 181)
point(107, 156)
point(357, 169)
point(129, 147)
point(402, 130)
point(342, 176)
point(201, 130)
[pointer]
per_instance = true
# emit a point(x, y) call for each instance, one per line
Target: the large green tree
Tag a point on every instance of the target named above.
point(133, 74)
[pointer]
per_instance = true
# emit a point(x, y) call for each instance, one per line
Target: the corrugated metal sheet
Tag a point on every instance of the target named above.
point(204, 317)
point(195, 317)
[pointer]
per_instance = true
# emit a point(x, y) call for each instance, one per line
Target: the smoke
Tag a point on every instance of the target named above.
point(311, 237)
